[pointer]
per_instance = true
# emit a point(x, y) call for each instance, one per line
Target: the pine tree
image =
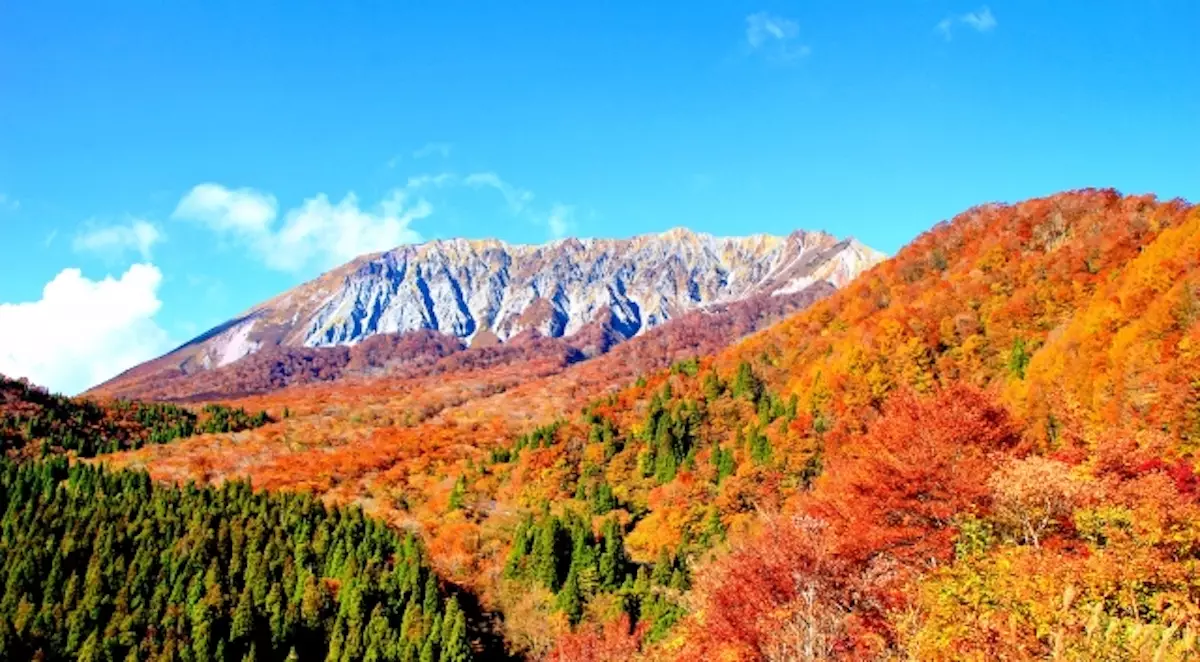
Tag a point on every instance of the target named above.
point(90, 650)
point(455, 647)
point(457, 493)
point(431, 651)
point(334, 654)
point(311, 603)
point(746, 384)
point(546, 562)
point(662, 568)
point(602, 499)
point(723, 459)
point(242, 625)
point(713, 528)
point(432, 599)
point(612, 560)
point(275, 616)
point(760, 447)
point(513, 565)
point(679, 580)
point(376, 639)
point(1018, 358)
point(202, 644)
point(570, 598)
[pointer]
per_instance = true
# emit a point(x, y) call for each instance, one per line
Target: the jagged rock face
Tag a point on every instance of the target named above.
point(461, 287)
point(493, 290)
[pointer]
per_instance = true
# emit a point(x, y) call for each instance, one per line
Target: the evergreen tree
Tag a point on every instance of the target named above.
point(457, 493)
point(455, 647)
point(243, 617)
point(746, 384)
point(514, 565)
point(760, 447)
point(612, 559)
point(723, 460)
point(570, 599)
point(602, 499)
point(1018, 358)
point(662, 568)
point(547, 564)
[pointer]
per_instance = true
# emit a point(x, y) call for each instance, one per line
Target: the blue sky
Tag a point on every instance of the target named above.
point(215, 143)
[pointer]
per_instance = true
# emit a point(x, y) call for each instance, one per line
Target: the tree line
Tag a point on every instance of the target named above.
point(36, 422)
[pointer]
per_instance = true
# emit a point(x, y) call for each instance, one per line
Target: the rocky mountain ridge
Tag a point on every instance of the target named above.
point(487, 291)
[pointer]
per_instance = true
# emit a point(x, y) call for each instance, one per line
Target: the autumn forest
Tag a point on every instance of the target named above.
point(982, 448)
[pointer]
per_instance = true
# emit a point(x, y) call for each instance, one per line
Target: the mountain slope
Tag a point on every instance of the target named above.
point(483, 292)
point(993, 447)
point(873, 463)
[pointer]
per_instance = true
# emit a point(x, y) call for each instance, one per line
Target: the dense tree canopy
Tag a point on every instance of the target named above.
point(34, 421)
point(984, 448)
point(103, 565)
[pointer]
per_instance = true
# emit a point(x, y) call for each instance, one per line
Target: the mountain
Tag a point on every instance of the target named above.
point(487, 291)
point(985, 447)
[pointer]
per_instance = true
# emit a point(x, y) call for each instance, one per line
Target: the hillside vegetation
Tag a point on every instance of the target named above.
point(35, 421)
point(1014, 391)
point(983, 448)
point(108, 566)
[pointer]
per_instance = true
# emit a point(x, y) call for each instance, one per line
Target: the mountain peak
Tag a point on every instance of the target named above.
point(463, 287)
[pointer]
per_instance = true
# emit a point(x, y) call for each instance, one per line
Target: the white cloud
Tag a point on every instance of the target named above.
point(317, 233)
point(775, 36)
point(561, 220)
point(946, 27)
point(517, 198)
point(244, 210)
point(9, 203)
point(81, 331)
point(433, 149)
point(423, 152)
point(114, 241)
point(325, 234)
point(980, 20)
point(423, 181)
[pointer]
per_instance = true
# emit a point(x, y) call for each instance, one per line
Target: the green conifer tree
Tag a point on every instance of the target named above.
point(570, 598)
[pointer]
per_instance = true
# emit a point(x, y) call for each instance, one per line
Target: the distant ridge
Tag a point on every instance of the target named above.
point(484, 291)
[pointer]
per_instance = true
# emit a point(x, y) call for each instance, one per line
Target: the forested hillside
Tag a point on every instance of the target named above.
point(1014, 391)
point(1003, 422)
point(983, 448)
point(35, 421)
point(108, 566)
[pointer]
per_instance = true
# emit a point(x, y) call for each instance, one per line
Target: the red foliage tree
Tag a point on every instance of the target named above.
point(614, 642)
point(898, 488)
